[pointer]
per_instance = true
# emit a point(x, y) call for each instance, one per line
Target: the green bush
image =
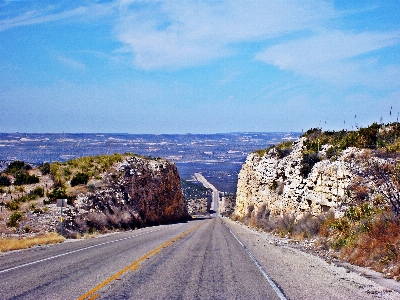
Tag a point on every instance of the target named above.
point(17, 166)
point(23, 178)
point(5, 181)
point(39, 191)
point(79, 178)
point(12, 205)
point(57, 193)
point(14, 219)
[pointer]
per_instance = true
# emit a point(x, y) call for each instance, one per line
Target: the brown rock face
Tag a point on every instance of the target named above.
point(154, 185)
point(134, 193)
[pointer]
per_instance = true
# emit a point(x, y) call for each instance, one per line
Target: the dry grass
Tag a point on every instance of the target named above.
point(379, 248)
point(8, 244)
point(366, 236)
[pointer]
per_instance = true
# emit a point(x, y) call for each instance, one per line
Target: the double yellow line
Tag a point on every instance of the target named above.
point(135, 265)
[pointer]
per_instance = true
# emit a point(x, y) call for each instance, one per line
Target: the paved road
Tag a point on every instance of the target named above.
point(201, 259)
point(215, 193)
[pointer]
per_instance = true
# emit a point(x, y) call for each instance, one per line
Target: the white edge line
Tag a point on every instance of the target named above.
point(269, 279)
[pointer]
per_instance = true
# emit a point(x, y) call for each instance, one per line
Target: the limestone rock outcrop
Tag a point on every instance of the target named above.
point(133, 193)
point(280, 184)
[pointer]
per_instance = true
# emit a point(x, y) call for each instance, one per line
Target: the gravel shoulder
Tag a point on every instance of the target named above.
point(305, 275)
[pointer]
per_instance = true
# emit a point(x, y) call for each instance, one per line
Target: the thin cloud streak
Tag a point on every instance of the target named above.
point(331, 55)
point(193, 33)
point(49, 14)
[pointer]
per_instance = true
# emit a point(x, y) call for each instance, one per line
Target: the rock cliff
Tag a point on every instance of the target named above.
point(282, 185)
point(132, 193)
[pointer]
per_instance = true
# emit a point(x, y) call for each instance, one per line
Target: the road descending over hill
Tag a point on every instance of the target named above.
point(215, 193)
point(202, 259)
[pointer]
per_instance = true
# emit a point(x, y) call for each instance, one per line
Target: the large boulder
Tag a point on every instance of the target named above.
point(133, 193)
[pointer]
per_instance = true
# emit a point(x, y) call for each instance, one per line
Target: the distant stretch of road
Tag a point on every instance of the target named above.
point(215, 193)
point(212, 258)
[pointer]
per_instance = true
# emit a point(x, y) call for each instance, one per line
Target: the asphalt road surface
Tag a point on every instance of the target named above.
point(202, 259)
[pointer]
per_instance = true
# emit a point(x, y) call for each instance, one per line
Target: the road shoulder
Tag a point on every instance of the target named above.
point(302, 274)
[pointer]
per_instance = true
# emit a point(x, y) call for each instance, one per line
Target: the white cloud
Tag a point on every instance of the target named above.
point(184, 33)
point(53, 13)
point(332, 55)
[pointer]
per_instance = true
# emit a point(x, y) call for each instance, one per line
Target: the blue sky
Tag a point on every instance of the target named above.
point(198, 66)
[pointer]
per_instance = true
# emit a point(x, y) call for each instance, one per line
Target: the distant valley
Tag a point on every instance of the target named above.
point(218, 157)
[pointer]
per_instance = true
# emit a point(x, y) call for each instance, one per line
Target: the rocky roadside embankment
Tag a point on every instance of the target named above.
point(337, 202)
point(279, 183)
point(132, 193)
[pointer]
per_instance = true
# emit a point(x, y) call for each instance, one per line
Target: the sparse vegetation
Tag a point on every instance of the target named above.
point(280, 150)
point(83, 168)
point(366, 236)
point(376, 136)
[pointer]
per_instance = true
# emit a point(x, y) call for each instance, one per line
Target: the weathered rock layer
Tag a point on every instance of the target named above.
point(280, 184)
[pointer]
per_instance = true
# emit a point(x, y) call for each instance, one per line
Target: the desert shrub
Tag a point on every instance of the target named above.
point(259, 219)
point(12, 205)
point(57, 174)
point(250, 209)
point(283, 225)
point(357, 220)
point(67, 173)
point(38, 191)
point(361, 193)
point(332, 152)
point(79, 178)
point(24, 178)
point(92, 166)
point(309, 225)
point(97, 221)
point(81, 224)
point(17, 166)
point(4, 180)
point(45, 168)
point(283, 149)
point(388, 177)
point(377, 247)
point(15, 217)
point(57, 193)
point(119, 218)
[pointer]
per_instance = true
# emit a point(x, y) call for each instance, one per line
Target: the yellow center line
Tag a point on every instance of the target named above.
point(135, 265)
